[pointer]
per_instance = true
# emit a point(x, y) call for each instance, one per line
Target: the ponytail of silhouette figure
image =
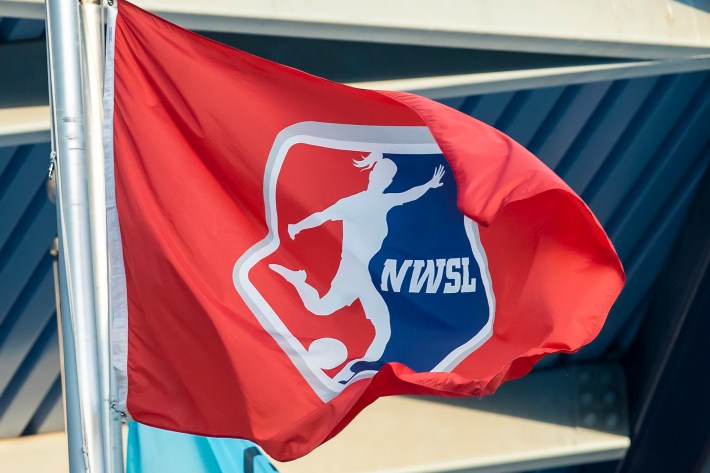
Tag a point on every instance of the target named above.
point(364, 217)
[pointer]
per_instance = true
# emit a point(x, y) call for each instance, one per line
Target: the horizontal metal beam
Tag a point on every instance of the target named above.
point(22, 9)
point(24, 125)
point(45, 453)
point(459, 85)
point(545, 420)
point(649, 29)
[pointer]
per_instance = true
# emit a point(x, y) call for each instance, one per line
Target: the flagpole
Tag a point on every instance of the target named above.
point(67, 359)
point(65, 66)
point(67, 363)
point(93, 70)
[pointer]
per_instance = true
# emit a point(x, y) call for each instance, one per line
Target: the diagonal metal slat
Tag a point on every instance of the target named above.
point(633, 131)
point(54, 420)
point(24, 325)
point(644, 265)
point(49, 416)
point(24, 251)
point(29, 388)
point(628, 231)
point(491, 107)
point(511, 110)
point(685, 141)
point(26, 175)
point(610, 184)
point(531, 113)
point(6, 154)
point(567, 121)
point(593, 147)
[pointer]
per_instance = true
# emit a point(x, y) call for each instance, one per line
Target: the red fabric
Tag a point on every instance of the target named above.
point(194, 123)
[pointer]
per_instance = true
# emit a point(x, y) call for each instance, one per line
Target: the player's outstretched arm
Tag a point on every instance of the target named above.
point(416, 192)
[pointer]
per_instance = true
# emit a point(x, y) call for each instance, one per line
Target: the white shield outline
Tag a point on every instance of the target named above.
point(360, 138)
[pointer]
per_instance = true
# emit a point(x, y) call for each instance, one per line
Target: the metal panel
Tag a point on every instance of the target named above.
point(30, 391)
point(21, 186)
point(596, 141)
point(489, 108)
point(29, 363)
point(668, 361)
point(530, 108)
point(648, 139)
point(26, 245)
point(565, 122)
point(33, 310)
point(23, 397)
point(634, 150)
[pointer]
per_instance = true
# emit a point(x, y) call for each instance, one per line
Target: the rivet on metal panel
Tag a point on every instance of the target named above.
point(585, 376)
point(612, 421)
point(606, 377)
point(586, 398)
point(590, 419)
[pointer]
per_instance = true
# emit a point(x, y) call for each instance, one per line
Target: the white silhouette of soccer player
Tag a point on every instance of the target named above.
point(364, 217)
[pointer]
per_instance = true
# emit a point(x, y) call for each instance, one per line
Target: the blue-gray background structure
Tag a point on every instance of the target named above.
point(636, 150)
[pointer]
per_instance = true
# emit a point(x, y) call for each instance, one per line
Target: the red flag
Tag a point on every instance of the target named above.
point(291, 249)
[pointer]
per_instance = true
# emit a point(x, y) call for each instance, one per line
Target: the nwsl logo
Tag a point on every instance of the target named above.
point(367, 259)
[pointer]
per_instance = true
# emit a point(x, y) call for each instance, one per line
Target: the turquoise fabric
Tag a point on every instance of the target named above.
point(152, 450)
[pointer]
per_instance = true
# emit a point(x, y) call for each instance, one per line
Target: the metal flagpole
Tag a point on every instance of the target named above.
point(93, 70)
point(64, 45)
point(67, 361)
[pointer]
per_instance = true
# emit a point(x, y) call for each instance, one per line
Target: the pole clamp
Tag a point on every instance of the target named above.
point(52, 165)
point(114, 408)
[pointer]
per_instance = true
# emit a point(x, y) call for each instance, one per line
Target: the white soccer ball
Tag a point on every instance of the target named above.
point(327, 353)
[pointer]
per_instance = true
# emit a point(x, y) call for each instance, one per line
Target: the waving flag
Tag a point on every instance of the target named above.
point(285, 249)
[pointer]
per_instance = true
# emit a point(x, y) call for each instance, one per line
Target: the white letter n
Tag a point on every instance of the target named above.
point(396, 277)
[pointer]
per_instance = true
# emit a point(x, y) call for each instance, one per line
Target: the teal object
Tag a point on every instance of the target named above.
point(152, 450)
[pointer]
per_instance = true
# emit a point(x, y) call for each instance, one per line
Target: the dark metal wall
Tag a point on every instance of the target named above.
point(668, 363)
point(635, 150)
